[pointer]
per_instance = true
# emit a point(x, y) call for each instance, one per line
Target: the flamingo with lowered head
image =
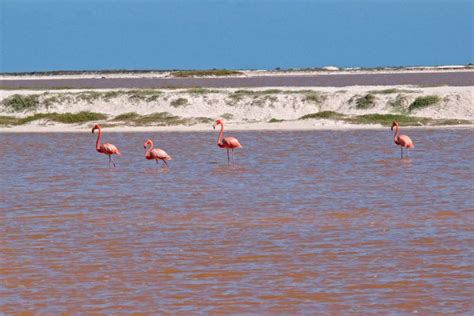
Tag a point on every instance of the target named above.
point(155, 154)
point(401, 140)
point(106, 148)
point(226, 142)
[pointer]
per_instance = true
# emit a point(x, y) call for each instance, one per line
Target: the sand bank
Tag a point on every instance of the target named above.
point(258, 108)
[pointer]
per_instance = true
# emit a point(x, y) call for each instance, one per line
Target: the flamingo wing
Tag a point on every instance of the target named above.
point(110, 149)
point(231, 142)
point(160, 154)
point(405, 141)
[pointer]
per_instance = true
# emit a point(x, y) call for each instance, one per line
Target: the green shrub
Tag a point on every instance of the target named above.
point(365, 102)
point(19, 103)
point(422, 102)
point(179, 102)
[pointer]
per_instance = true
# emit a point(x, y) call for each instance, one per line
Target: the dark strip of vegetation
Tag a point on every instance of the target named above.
point(19, 103)
point(203, 73)
point(391, 91)
point(365, 102)
point(274, 120)
point(179, 102)
point(323, 115)
point(201, 91)
point(67, 118)
point(385, 119)
point(423, 102)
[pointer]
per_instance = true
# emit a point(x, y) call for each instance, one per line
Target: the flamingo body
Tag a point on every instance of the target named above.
point(107, 149)
point(404, 141)
point(230, 143)
point(155, 154)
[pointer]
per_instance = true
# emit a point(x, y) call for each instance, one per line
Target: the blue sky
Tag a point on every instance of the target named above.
point(201, 34)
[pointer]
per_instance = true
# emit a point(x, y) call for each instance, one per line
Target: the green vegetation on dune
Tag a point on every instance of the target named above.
point(201, 91)
point(384, 119)
point(159, 119)
point(227, 116)
point(274, 120)
point(179, 102)
point(20, 103)
point(423, 102)
point(126, 116)
point(314, 97)
point(391, 91)
point(146, 95)
point(399, 103)
point(8, 120)
point(259, 97)
point(66, 118)
point(323, 115)
point(365, 102)
point(203, 73)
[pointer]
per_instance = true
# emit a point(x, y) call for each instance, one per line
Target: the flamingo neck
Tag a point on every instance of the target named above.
point(97, 143)
point(148, 151)
point(219, 138)
point(395, 136)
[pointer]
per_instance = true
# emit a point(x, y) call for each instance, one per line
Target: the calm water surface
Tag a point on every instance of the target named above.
point(323, 221)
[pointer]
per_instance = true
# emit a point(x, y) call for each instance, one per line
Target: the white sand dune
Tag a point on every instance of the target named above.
point(243, 108)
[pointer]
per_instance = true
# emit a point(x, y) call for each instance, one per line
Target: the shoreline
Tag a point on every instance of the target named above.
point(309, 125)
point(248, 79)
point(244, 73)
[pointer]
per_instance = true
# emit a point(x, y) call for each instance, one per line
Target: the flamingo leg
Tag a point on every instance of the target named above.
point(401, 151)
point(109, 160)
point(166, 163)
point(112, 160)
point(233, 158)
point(228, 157)
point(407, 153)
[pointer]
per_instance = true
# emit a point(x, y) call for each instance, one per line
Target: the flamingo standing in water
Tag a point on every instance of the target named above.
point(226, 142)
point(401, 140)
point(155, 154)
point(106, 148)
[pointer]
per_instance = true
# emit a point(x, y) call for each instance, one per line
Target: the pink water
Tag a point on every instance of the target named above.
point(320, 221)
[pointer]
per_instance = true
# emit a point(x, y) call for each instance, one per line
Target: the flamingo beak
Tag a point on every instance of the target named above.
point(93, 129)
point(391, 128)
point(144, 147)
point(213, 126)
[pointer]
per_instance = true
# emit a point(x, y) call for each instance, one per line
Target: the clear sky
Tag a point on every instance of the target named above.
point(258, 34)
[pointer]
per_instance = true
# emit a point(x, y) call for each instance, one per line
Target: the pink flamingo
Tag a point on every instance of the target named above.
point(106, 148)
point(227, 142)
point(402, 140)
point(156, 154)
